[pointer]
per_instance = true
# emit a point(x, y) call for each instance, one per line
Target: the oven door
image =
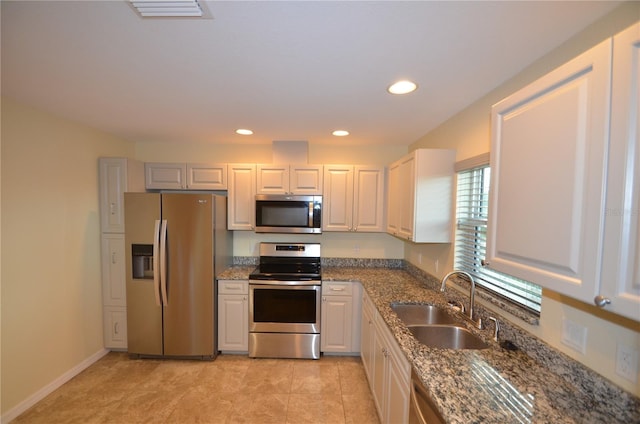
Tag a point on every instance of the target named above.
point(284, 307)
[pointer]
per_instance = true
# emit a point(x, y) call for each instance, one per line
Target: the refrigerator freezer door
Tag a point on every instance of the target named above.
point(144, 314)
point(189, 312)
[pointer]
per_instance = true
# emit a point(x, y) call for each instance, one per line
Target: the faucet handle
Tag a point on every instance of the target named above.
point(497, 328)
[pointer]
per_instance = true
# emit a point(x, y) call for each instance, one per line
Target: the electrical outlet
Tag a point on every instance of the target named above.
point(627, 362)
point(574, 335)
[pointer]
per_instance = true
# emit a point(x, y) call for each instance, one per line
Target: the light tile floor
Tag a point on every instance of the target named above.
point(230, 389)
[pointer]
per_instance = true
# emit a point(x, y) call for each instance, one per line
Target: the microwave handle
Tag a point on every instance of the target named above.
point(311, 204)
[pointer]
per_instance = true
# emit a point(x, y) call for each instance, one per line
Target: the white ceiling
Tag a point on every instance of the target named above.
point(292, 70)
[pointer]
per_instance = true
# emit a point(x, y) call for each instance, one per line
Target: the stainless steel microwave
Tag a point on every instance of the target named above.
point(282, 213)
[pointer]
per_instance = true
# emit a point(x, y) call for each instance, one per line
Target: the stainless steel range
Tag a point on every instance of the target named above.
point(284, 302)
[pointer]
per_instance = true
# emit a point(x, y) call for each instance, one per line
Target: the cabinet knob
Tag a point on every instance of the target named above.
point(601, 301)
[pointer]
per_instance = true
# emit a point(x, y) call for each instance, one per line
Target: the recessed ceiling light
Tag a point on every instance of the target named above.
point(340, 133)
point(402, 87)
point(243, 131)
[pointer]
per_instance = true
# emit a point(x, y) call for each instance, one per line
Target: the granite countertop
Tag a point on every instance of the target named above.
point(491, 385)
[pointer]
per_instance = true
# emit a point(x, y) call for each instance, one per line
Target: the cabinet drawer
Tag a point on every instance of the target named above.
point(233, 287)
point(333, 288)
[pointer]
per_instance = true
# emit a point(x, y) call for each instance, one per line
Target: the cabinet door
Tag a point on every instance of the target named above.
point(406, 192)
point(207, 176)
point(379, 365)
point(621, 267)
point(242, 197)
point(305, 179)
point(366, 339)
point(115, 327)
point(233, 322)
point(398, 389)
point(548, 163)
point(272, 179)
point(337, 202)
point(336, 324)
point(170, 176)
point(368, 199)
point(113, 183)
point(393, 199)
point(114, 292)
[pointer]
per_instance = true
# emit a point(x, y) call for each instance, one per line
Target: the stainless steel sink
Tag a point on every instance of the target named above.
point(421, 314)
point(447, 337)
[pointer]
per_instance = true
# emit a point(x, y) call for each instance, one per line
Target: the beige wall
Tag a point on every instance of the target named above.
point(469, 133)
point(51, 290)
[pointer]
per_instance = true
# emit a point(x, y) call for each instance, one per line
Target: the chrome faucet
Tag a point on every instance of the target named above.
point(472, 293)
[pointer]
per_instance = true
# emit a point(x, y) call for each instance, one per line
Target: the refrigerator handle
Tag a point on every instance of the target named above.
point(156, 261)
point(163, 262)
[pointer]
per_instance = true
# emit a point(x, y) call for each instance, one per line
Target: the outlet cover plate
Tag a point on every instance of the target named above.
point(574, 335)
point(627, 362)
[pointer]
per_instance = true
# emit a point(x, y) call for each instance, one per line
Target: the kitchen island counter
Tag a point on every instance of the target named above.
point(493, 385)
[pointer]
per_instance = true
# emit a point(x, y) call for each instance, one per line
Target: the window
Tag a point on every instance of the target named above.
point(471, 240)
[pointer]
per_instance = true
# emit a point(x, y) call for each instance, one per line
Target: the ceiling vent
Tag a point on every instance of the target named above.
point(168, 8)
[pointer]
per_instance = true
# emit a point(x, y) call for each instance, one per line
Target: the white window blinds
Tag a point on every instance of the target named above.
point(471, 240)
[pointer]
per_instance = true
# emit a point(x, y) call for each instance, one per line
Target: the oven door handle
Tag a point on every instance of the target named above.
point(310, 214)
point(283, 283)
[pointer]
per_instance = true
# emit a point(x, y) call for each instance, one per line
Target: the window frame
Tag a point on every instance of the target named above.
point(471, 217)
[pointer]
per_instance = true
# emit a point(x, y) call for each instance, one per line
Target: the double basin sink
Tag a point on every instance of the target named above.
point(433, 326)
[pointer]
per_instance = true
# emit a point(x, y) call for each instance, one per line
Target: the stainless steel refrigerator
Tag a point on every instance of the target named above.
point(176, 244)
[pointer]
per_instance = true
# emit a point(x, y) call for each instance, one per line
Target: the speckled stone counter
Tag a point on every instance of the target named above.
point(491, 385)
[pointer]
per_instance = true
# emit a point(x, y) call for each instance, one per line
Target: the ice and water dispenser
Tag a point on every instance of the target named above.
point(142, 260)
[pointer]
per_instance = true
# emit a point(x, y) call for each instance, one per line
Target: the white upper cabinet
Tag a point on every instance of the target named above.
point(207, 176)
point(564, 191)
point(620, 282)
point(420, 199)
point(241, 202)
point(169, 176)
point(548, 169)
point(182, 176)
point(117, 175)
point(353, 198)
point(289, 179)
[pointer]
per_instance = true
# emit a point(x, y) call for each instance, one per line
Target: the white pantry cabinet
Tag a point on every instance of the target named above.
point(353, 198)
point(241, 206)
point(387, 369)
point(233, 316)
point(420, 200)
point(185, 176)
point(289, 179)
point(564, 187)
point(116, 176)
point(340, 317)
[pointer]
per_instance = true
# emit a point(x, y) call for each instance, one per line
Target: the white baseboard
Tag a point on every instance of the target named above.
point(14, 412)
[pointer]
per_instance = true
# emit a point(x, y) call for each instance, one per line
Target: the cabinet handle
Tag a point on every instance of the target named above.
point(244, 297)
point(113, 257)
point(337, 289)
point(601, 301)
point(485, 263)
point(115, 328)
point(324, 299)
point(112, 208)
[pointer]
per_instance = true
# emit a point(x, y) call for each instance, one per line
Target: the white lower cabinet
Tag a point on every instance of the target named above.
point(340, 317)
point(233, 316)
point(115, 327)
point(386, 367)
